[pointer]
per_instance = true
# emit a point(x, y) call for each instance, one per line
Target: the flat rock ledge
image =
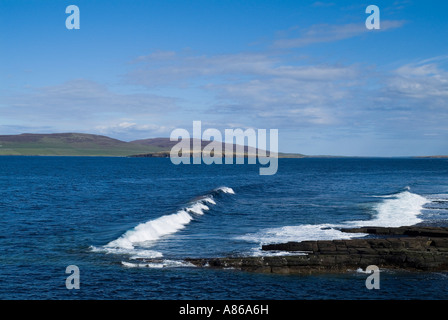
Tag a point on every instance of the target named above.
point(407, 248)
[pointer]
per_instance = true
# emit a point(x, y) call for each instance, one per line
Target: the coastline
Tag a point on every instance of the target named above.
point(407, 248)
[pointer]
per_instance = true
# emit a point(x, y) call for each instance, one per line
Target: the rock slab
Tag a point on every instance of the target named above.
point(408, 248)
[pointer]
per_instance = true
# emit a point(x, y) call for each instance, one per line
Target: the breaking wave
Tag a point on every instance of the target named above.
point(401, 209)
point(137, 240)
point(297, 233)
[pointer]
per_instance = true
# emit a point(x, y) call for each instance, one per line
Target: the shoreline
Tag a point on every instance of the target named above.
point(422, 249)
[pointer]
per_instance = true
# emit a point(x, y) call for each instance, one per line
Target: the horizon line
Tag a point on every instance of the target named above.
point(279, 152)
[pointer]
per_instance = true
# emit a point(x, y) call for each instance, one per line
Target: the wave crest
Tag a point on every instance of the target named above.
point(146, 234)
point(401, 209)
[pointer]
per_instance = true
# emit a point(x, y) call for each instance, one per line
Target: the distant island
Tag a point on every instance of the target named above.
point(92, 145)
point(83, 144)
point(432, 157)
point(69, 144)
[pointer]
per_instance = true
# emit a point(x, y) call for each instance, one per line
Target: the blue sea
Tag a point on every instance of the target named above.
point(106, 215)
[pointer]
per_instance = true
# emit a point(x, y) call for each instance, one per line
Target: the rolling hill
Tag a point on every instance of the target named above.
point(69, 144)
point(82, 144)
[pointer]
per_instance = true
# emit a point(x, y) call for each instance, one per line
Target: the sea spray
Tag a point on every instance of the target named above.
point(136, 240)
point(298, 233)
point(401, 209)
point(152, 230)
point(225, 190)
point(397, 210)
point(158, 264)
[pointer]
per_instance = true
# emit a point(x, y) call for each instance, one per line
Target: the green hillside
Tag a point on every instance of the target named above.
point(82, 144)
point(69, 144)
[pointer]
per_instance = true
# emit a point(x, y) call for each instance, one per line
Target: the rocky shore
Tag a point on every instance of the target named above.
point(409, 248)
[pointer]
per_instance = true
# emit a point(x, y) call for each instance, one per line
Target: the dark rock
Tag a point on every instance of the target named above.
point(402, 231)
point(411, 248)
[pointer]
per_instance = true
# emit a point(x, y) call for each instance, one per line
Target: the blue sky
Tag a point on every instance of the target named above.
point(139, 69)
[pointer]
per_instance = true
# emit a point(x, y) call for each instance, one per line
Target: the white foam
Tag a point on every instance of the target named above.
point(225, 190)
point(136, 253)
point(299, 233)
point(151, 230)
point(258, 252)
point(438, 197)
point(137, 240)
point(158, 264)
point(397, 210)
point(197, 208)
point(209, 200)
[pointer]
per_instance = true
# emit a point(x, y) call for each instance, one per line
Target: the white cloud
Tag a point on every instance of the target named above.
point(132, 127)
point(323, 4)
point(168, 71)
point(260, 85)
point(170, 68)
point(256, 83)
point(424, 80)
point(87, 106)
point(82, 100)
point(322, 33)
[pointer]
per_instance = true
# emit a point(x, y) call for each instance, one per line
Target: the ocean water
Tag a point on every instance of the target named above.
point(104, 214)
